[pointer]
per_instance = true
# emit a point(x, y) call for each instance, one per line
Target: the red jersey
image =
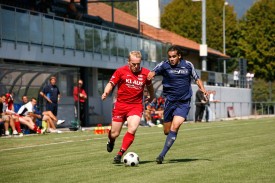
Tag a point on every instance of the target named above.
point(130, 85)
point(82, 91)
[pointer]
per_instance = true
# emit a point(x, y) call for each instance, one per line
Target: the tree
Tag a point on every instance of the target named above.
point(128, 7)
point(184, 18)
point(257, 41)
point(262, 91)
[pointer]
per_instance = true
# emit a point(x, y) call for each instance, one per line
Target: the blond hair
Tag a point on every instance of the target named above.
point(136, 54)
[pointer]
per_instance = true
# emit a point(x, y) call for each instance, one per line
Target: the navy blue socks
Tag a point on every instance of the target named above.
point(170, 139)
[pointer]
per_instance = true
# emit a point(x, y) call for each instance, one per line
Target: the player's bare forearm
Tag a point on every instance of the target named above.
point(107, 91)
point(201, 87)
point(151, 92)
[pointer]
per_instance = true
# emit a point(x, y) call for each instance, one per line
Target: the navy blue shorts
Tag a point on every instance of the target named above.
point(176, 108)
point(52, 107)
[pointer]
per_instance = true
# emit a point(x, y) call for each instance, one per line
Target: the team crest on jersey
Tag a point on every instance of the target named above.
point(140, 77)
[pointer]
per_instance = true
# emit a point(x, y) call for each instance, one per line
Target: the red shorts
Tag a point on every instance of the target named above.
point(122, 110)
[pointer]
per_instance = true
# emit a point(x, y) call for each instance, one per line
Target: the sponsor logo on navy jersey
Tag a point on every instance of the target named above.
point(180, 71)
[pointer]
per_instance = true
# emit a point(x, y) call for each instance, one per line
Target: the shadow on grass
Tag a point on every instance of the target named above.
point(141, 162)
point(145, 162)
point(185, 160)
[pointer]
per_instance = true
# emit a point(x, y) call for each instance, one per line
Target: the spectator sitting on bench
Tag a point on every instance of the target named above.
point(150, 109)
point(25, 120)
point(49, 118)
point(5, 119)
point(46, 116)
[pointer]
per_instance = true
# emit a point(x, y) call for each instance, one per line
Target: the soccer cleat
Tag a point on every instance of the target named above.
point(20, 135)
point(159, 160)
point(110, 146)
point(117, 159)
point(59, 122)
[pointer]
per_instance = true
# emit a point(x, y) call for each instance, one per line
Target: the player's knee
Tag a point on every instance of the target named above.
point(166, 132)
point(114, 134)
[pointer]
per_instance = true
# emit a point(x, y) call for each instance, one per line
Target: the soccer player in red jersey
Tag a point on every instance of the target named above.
point(130, 80)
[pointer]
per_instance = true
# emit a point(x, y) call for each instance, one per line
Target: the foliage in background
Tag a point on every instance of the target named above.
point(262, 91)
point(128, 7)
point(184, 17)
point(257, 42)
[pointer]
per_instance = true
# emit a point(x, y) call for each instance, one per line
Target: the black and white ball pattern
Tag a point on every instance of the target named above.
point(131, 159)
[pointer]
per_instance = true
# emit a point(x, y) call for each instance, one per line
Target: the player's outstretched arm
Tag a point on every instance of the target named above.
point(151, 75)
point(201, 87)
point(107, 91)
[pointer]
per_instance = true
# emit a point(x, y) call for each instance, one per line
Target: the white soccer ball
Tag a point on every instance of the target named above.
point(131, 159)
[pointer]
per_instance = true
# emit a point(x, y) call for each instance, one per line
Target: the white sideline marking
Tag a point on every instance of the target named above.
point(99, 138)
point(42, 145)
point(71, 137)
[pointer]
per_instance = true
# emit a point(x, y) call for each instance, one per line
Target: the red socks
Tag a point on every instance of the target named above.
point(34, 128)
point(127, 141)
point(17, 126)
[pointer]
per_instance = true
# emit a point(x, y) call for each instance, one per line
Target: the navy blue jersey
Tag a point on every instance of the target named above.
point(52, 92)
point(177, 79)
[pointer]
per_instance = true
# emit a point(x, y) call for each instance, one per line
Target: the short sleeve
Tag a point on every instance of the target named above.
point(115, 77)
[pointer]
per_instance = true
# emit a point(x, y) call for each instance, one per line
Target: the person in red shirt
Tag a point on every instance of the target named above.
point(130, 80)
point(80, 97)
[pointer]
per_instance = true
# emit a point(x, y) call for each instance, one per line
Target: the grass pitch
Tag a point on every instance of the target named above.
point(231, 151)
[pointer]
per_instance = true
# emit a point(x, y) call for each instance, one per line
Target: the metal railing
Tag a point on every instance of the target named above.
point(31, 27)
point(19, 25)
point(263, 108)
point(224, 110)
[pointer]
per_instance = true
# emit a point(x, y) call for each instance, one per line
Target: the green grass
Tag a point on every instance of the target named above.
point(231, 151)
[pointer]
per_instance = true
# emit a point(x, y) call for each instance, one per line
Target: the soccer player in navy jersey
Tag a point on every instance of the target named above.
point(177, 76)
point(130, 80)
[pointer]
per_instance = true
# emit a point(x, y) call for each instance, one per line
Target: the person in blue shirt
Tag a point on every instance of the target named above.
point(177, 77)
point(52, 95)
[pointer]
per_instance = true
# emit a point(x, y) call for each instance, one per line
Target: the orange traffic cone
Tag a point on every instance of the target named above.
point(99, 129)
point(96, 130)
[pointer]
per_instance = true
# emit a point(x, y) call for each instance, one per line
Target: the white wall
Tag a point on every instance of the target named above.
point(150, 12)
